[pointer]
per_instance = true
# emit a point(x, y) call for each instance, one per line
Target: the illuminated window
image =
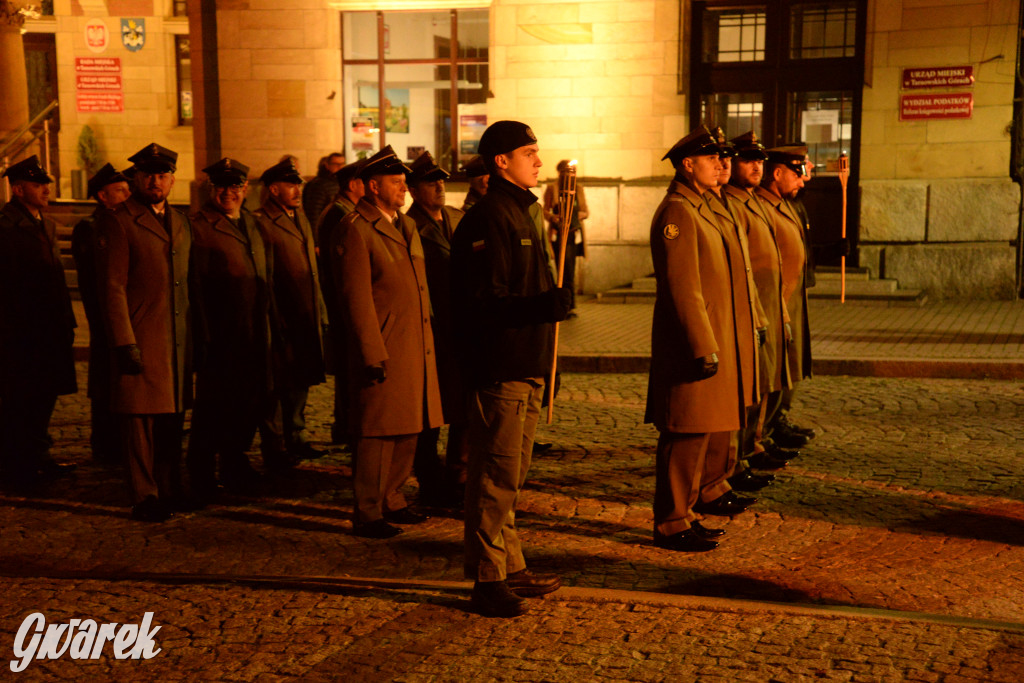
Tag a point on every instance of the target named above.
point(736, 113)
point(734, 35)
point(820, 30)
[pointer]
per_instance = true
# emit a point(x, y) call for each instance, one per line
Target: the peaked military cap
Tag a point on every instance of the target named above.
point(283, 171)
point(349, 172)
point(154, 158)
point(384, 162)
point(425, 169)
point(475, 167)
point(791, 156)
point(501, 137)
point(700, 142)
point(749, 147)
point(107, 175)
point(725, 148)
point(28, 169)
point(227, 173)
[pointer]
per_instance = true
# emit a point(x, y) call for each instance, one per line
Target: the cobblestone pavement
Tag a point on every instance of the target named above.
point(909, 500)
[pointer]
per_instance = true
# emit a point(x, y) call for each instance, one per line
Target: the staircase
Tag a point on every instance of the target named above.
point(860, 287)
point(65, 215)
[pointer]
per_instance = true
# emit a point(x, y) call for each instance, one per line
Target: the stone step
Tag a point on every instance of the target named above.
point(645, 283)
point(835, 274)
point(830, 286)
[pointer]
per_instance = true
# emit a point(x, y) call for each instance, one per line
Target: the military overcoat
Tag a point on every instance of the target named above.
point(300, 304)
point(37, 323)
point(693, 318)
point(142, 266)
point(381, 283)
point(789, 234)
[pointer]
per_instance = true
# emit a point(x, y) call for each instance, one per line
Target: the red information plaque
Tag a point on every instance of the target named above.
point(958, 105)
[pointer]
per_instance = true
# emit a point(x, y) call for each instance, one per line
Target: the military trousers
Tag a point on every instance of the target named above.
point(502, 421)
point(381, 465)
point(688, 468)
point(24, 438)
point(152, 447)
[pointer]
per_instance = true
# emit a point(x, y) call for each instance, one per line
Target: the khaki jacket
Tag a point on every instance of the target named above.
point(766, 265)
point(380, 282)
point(694, 316)
point(301, 311)
point(142, 269)
point(793, 250)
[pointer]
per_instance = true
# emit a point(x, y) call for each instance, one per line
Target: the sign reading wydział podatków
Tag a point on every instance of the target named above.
point(957, 105)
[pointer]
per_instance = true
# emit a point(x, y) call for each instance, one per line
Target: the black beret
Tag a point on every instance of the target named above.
point(349, 172)
point(283, 171)
point(384, 162)
point(749, 147)
point(425, 169)
point(105, 176)
point(502, 137)
point(700, 142)
point(475, 167)
point(227, 173)
point(28, 169)
point(791, 156)
point(154, 158)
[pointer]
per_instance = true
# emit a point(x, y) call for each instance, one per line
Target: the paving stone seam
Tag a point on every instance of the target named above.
point(347, 583)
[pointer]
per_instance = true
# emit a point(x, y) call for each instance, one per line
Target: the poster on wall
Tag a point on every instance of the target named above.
point(133, 34)
point(396, 108)
point(472, 124)
point(819, 126)
point(97, 37)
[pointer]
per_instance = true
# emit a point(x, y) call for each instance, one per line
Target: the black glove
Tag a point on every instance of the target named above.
point(128, 359)
point(762, 336)
point(375, 374)
point(707, 366)
point(559, 301)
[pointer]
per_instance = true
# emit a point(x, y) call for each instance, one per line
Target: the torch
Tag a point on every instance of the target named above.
point(566, 201)
point(844, 176)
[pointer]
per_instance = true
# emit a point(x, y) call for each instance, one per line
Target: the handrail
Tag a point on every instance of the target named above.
point(24, 129)
point(19, 150)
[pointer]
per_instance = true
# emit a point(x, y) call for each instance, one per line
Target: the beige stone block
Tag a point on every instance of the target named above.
point(933, 161)
point(625, 124)
point(544, 87)
point(271, 38)
point(904, 132)
point(635, 67)
point(560, 13)
point(261, 56)
point(604, 141)
point(235, 64)
point(893, 210)
point(618, 163)
point(952, 54)
point(622, 106)
point(277, 5)
point(986, 94)
point(666, 21)
point(286, 99)
point(877, 162)
point(959, 14)
point(585, 86)
point(603, 203)
point(228, 31)
point(986, 125)
point(641, 86)
point(137, 85)
point(937, 37)
point(587, 57)
point(269, 72)
point(637, 204)
point(934, 4)
point(637, 10)
point(888, 15)
point(552, 123)
point(880, 50)
point(555, 34)
point(315, 28)
point(989, 41)
point(281, 18)
point(599, 11)
point(642, 138)
point(320, 104)
point(517, 71)
point(243, 99)
point(624, 32)
point(240, 137)
point(328, 65)
point(328, 134)
point(498, 62)
point(540, 54)
point(528, 107)
point(940, 269)
point(504, 25)
point(973, 210)
point(872, 127)
point(554, 146)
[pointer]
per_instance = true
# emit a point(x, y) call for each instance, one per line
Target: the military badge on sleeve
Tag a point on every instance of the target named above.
point(671, 231)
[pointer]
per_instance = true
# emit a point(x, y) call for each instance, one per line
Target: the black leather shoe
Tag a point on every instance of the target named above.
point(688, 541)
point(151, 509)
point(378, 528)
point(541, 446)
point(805, 431)
point(764, 461)
point(773, 449)
point(526, 584)
point(405, 516)
point(748, 481)
point(496, 599)
point(787, 438)
point(726, 505)
point(705, 532)
point(307, 451)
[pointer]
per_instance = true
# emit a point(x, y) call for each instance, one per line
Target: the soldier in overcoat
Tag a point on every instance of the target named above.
point(142, 260)
point(380, 280)
point(37, 329)
point(299, 358)
point(232, 281)
point(110, 188)
point(694, 392)
point(440, 485)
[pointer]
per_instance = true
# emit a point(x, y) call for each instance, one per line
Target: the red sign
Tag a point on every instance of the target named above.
point(98, 82)
point(938, 77)
point(93, 102)
point(97, 65)
point(957, 105)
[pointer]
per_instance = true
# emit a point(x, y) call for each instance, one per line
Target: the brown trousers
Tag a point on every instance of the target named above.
point(152, 445)
point(381, 465)
point(688, 468)
point(502, 421)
